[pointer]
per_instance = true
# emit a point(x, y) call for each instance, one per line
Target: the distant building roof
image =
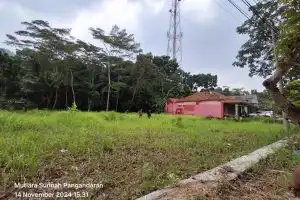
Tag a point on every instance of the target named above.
point(172, 99)
point(252, 99)
point(203, 96)
point(215, 96)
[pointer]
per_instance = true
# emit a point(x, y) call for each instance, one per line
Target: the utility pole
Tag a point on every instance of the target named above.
point(285, 121)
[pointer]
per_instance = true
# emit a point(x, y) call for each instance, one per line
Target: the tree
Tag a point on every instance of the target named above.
point(92, 60)
point(9, 79)
point(197, 81)
point(206, 81)
point(116, 43)
point(287, 50)
point(256, 53)
point(52, 69)
point(51, 51)
point(264, 28)
point(293, 92)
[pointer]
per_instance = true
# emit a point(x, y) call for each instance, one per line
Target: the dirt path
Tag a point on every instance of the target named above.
point(267, 185)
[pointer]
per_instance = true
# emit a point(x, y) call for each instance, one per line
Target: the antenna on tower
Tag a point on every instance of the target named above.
point(174, 34)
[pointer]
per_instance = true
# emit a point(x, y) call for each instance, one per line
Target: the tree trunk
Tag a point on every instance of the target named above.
point(67, 97)
point(138, 82)
point(133, 96)
point(117, 103)
point(92, 83)
point(89, 104)
point(72, 87)
point(118, 95)
point(56, 94)
point(282, 68)
point(286, 124)
point(48, 100)
point(109, 84)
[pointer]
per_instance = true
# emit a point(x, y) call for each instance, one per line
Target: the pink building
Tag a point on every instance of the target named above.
point(207, 104)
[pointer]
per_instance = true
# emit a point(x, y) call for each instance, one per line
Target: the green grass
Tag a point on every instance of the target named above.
point(131, 156)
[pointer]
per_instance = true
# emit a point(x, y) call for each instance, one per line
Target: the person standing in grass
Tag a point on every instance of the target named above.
point(148, 109)
point(140, 112)
point(149, 113)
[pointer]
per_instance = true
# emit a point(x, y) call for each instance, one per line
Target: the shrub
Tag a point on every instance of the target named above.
point(111, 116)
point(178, 122)
point(73, 108)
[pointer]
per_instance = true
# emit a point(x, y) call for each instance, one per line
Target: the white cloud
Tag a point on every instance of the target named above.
point(156, 6)
point(15, 8)
point(202, 10)
point(104, 14)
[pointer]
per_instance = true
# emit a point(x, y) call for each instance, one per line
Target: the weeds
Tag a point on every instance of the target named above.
point(178, 122)
point(114, 148)
point(73, 108)
point(111, 116)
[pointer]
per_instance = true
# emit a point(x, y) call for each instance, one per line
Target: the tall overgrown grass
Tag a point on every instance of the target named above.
point(131, 156)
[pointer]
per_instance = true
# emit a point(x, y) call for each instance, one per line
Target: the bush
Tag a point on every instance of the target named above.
point(178, 122)
point(111, 116)
point(209, 117)
point(73, 108)
point(268, 120)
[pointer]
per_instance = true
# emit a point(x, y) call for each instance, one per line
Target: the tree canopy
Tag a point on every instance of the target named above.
point(273, 49)
point(52, 69)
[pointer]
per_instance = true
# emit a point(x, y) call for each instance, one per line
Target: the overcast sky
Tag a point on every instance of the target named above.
point(210, 41)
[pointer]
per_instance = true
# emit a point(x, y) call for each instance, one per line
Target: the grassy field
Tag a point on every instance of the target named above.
point(130, 156)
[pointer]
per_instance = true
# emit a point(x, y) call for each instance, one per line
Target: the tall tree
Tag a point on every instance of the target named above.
point(256, 53)
point(117, 43)
point(264, 29)
point(52, 53)
point(9, 79)
point(287, 50)
point(92, 60)
point(52, 69)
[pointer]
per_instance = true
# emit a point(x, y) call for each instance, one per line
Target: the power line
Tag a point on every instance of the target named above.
point(239, 9)
point(247, 3)
point(226, 10)
point(255, 12)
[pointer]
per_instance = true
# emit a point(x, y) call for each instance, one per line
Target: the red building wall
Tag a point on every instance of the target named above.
point(187, 108)
point(170, 107)
point(204, 108)
point(210, 108)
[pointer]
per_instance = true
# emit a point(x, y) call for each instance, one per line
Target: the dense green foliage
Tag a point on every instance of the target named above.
point(273, 31)
point(52, 69)
point(257, 53)
point(293, 90)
